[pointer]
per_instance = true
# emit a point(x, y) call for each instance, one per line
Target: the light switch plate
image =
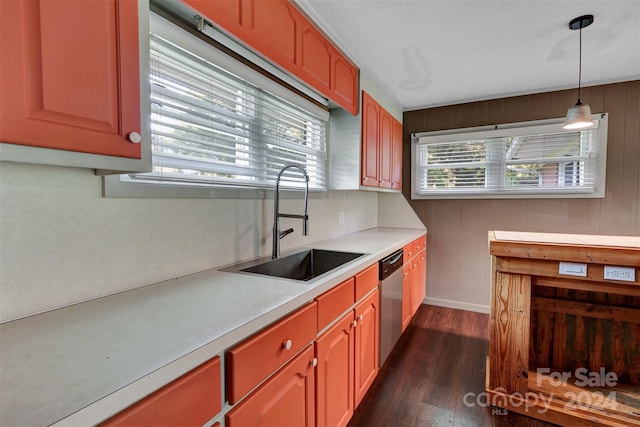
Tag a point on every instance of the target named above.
point(573, 269)
point(627, 274)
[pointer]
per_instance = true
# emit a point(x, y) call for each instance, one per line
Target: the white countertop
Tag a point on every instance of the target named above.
point(83, 363)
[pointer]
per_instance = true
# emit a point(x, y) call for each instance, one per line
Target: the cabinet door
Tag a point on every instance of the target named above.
point(334, 374)
point(191, 400)
point(226, 13)
point(396, 156)
point(271, 26)
point(315, 57)
point(407, 301)
point(344, 82)
point(367, 340)
point(73, 81)
point(370, 124)
point(285, 400)
point(418, 279)
point(385, 144)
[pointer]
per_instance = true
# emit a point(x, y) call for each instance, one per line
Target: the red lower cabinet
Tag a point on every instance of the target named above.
point(367, 342)
point(285, 400)
point(334, 374)
point(191, 400)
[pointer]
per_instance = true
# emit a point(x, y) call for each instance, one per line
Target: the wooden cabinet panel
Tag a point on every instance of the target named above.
point(315, 57)
point(396, 156)
point(334, 302)
point(367, 341)
point(285, 400)
point(366, 280)
point(191, 400)
point(277, 30)
point(385, 145)
point(414, 278)
point(344, 83)
point(370, 124)
point(272, 28)
point(73, 81)
point(418, 291)
point(334, 374)
point(227, 13)
point(407, 252)
point(256, 358)
point(381, 162)
point(407, 301)
point(509, 329)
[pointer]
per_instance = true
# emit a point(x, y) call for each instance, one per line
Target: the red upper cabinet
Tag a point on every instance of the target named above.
point(381, 146)
point(272, 27)
point(315, 57)
point(70, 76)
point(386, 149)
point(344, 83)
point(228, 13)
point(370, 150)
point(396, 162)
point(277, 30)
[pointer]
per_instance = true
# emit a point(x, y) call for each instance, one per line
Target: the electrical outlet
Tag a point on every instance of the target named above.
point(340, 217)
point(573, 269)
point(627, 274)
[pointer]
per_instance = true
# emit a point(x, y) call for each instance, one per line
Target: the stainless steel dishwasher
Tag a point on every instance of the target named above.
point(391, 302)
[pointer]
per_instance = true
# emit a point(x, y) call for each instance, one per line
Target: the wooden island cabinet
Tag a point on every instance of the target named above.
point(565, 327)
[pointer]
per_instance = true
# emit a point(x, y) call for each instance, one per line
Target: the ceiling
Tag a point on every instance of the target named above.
point(425, 53)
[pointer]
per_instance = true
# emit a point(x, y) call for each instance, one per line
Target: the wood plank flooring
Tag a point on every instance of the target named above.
point(439, 359)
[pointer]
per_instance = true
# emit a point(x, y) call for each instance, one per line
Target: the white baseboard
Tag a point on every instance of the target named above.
point(457, 304)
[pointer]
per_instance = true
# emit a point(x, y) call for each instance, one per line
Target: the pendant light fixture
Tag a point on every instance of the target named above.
point(579, 116)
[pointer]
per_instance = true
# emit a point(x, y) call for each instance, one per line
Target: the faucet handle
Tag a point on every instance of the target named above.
point(285, 232)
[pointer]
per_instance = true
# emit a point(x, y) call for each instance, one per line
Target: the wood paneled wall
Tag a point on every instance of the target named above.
point(458, 268)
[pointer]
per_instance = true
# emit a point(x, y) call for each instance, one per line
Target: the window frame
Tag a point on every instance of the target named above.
point(507, 130)
point(126, 185)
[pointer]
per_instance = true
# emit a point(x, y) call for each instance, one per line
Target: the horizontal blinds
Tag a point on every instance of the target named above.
point(556, 161)
point(211, 126)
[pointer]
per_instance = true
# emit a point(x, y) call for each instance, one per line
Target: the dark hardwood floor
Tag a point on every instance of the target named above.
point(438, 361)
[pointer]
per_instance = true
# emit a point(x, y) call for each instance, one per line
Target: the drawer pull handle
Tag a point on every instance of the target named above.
point(287, 344)
point(360, 318)
point(314, 362)
point(355, 323)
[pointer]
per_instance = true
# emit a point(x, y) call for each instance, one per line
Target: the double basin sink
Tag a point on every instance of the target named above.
point(303, 266)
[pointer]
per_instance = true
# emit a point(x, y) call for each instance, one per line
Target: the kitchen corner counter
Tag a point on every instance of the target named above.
point(81, 364)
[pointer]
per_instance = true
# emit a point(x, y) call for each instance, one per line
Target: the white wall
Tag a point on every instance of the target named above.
point(61, 242)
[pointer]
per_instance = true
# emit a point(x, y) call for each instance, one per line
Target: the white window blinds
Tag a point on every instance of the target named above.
point(215, 121)
point(524, 160)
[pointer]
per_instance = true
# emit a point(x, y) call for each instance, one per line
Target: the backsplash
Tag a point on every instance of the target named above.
point(61, 242)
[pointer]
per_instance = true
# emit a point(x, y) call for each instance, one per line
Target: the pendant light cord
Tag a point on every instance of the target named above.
point(580, 66)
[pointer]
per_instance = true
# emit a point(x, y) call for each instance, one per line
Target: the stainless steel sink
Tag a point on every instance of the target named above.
point(304, 265)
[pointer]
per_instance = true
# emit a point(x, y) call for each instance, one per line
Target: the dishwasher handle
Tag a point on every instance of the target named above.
point(390, 264)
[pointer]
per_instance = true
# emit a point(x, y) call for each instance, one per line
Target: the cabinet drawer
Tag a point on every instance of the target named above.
point(366, 280)
point(191, 400)
point(334, 302)
point(286, 399)
point(256, 358)
point(408, 251)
